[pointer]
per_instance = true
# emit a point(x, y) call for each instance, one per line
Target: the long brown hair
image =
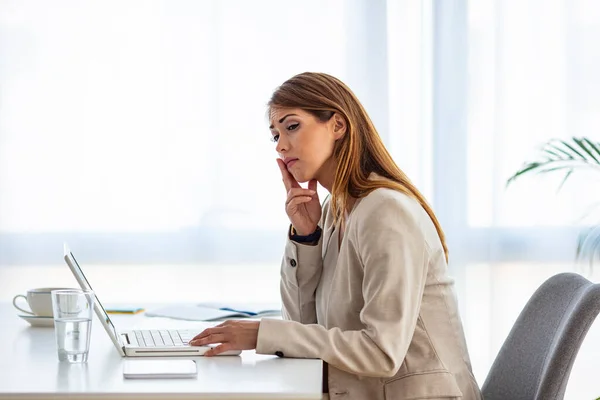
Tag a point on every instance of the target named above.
point(360, 151)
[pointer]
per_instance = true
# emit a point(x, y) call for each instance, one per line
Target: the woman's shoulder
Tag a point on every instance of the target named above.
point(385, 208)
point(385, 200)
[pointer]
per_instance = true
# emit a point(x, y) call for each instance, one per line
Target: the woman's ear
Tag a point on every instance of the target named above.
point(339, 126)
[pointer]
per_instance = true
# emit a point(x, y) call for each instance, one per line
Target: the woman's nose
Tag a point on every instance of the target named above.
point(282, 144)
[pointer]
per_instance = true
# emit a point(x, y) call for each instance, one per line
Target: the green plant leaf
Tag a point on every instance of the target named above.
point(581, 143)
point(570, 156)
point(554, 145)
point(528, 167)
point(594, 146)
point(567, 175)
point(553, 155)
point(557, 154)
point(573, 150)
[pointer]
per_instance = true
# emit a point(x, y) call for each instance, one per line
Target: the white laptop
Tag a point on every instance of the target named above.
point(141, 343)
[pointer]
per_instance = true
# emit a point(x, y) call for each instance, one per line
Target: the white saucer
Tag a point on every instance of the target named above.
point(34, 320)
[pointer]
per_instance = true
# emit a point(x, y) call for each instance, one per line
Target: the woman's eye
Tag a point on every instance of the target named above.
point(275, 138)
point(292, 127)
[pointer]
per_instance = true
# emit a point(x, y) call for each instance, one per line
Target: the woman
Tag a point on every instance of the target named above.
point(364, 278)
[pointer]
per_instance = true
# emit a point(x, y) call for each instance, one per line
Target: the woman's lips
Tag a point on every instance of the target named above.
point(291, 163)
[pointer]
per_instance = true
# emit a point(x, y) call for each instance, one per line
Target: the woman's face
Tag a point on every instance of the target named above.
point(304, 143)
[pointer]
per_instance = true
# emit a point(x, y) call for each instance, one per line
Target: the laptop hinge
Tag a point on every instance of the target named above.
point(126, 338)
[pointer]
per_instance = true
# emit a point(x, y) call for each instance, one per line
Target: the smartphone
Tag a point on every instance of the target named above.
point(159, 369)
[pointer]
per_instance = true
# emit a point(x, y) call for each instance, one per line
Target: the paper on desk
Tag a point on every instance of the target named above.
point(215, 311)
point(193, 313)
point(248, 309)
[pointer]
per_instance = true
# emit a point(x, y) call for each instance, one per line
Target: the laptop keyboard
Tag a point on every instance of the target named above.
point(163, 338)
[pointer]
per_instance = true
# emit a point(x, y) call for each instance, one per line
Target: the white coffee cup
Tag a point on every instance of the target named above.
point(39, 301)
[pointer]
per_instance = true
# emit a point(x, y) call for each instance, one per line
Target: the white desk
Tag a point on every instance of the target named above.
point(29, 369)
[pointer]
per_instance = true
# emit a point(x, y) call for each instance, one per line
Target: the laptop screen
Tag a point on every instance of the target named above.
point(87, 285)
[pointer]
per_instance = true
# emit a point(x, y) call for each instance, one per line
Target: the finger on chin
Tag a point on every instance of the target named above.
point(285, 174)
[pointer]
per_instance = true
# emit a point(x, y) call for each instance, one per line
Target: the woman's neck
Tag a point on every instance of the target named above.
point(326, 174)
point(349, 205)
point(326, 178)
point(350, 201)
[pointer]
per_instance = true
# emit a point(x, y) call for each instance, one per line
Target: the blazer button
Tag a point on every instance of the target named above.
point(293, 262)
point(279, 353)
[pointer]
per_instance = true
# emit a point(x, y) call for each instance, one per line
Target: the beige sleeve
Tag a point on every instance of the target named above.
point(395, 257)
point(300, 274)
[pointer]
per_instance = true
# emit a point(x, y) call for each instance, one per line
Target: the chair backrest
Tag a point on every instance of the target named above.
point(535, 361)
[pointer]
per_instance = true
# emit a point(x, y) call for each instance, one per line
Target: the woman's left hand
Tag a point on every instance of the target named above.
point(233, 335)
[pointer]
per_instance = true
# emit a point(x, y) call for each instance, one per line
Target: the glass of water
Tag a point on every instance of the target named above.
point(72, 323)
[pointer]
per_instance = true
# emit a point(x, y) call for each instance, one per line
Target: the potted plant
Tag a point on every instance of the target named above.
point(568, 156)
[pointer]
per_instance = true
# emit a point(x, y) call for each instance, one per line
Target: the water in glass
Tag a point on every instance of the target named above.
point(73, 338)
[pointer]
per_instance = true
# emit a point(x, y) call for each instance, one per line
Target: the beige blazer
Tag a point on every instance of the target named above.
point(380, 309)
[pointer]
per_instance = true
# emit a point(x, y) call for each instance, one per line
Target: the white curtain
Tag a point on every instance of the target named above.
point(137, 130)
point(509, 76)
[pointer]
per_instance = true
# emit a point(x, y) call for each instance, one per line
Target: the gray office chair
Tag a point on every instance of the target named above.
point(535, 361)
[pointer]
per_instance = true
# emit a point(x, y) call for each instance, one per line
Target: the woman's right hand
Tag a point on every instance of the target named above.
point(302, 205)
